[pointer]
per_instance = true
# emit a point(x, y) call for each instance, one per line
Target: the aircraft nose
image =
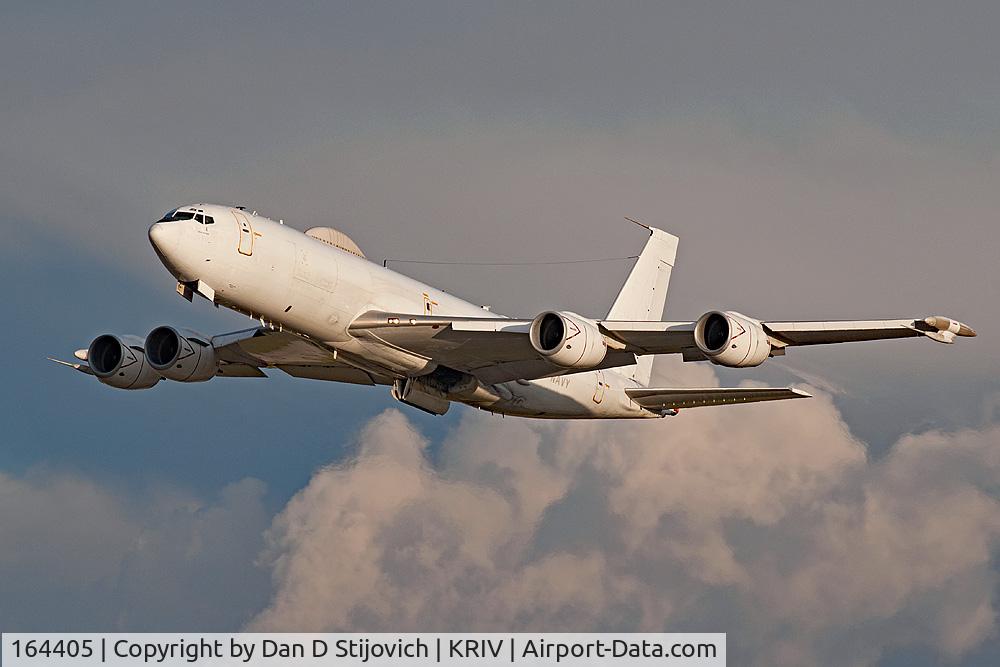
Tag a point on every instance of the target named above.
point(164, 236)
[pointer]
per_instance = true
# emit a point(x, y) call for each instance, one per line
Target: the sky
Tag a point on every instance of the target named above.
point(817, 161)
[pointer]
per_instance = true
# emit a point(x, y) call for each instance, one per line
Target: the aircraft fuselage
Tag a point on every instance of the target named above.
point(288, 280)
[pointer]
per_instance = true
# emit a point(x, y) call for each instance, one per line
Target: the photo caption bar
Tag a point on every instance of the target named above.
point(257, 649)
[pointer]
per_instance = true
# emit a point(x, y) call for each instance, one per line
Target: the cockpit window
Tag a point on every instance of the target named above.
point(176, 214)
point(209, 220)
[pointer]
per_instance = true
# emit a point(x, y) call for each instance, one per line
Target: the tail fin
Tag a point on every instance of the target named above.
point(644, 294)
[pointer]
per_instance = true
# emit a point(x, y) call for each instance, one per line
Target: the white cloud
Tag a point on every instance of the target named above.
point(769, 522)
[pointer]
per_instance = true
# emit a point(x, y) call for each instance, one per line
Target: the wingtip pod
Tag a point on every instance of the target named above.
point(799, 393)
point(948, 325)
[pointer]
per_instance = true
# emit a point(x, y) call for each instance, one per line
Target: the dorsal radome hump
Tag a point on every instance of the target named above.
point(336, 238)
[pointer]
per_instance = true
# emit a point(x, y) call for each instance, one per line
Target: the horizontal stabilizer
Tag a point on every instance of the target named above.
point(659, 400)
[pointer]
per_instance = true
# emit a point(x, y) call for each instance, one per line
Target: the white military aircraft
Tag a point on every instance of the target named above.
point(327, 313)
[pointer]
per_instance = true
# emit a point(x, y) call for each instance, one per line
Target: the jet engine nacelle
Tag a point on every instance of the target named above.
point(120, 362)
point(187, 357)
point(568, 340)
point(732, 339)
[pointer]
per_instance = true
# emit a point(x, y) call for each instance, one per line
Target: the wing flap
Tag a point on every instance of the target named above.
point(231, 370)
point(658, 399)
point(338, 373)
point(244, 352)
point(263, 347)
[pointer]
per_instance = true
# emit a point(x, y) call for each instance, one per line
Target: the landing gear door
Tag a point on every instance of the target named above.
point(246, 234)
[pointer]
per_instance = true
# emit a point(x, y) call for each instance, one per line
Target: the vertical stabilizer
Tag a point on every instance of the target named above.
point(644, 294)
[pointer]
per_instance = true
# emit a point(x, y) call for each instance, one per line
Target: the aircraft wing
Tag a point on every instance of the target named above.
point(499, 349)
point(493, 349)
point(678, 337)
point(674, 399)
point(246, 352)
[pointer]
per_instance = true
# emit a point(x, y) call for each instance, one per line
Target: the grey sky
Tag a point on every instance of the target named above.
point(816, 159)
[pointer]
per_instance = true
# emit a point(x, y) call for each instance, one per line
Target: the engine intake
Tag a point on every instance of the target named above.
point(181, 358)
point(732, 339)
point(120, 362)
point(568, 340)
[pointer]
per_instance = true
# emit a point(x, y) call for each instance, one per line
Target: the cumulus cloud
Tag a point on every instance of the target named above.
point(80, 555)
point(769, 522)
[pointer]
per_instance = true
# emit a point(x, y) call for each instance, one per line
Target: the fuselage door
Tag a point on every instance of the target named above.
point(246, 234)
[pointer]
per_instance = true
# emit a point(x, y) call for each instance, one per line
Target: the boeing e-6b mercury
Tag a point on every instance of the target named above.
point(327, 313)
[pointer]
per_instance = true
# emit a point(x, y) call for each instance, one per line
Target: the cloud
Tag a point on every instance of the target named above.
point(79, 555)
point(768, 522)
